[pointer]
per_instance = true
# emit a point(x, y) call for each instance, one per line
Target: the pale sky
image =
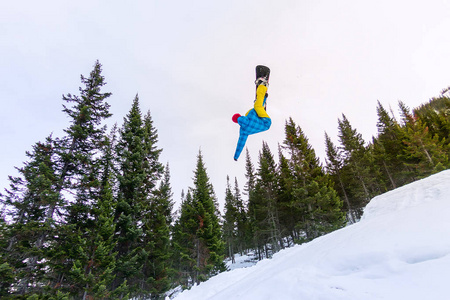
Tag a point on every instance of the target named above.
point(192, 64)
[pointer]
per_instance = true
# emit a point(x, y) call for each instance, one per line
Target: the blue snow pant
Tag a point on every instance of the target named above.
point(250, 124)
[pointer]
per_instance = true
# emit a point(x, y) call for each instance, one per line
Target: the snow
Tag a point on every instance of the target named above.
point(399, 250)
point(242, 261)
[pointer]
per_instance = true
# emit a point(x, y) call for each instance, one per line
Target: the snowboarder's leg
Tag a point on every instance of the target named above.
point(240, 145)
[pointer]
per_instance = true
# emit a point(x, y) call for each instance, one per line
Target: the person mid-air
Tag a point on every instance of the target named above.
point(256, 119)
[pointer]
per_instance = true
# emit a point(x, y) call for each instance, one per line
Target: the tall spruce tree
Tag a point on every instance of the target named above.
point(235, 226)
point(388, 148)
point(208, 242)
point(80, 172)
point(66, 181)
point(265, 202)
point(138, 214)
point(157, 269)
point(231, 215)
point(334, 166)
point(242, 221)
point(132, 197)
point(288, 219)
point(197, 237)
point(253, 208)
point(357, 169)
point(183, 242)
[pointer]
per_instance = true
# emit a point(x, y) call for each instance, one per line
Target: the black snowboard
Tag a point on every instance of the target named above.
point(262, 72)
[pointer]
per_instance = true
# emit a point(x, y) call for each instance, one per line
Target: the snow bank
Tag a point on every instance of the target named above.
point(399, 250)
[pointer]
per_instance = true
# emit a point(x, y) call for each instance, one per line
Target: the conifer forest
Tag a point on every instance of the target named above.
point(91, 214)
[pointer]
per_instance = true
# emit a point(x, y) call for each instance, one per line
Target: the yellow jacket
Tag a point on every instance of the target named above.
point(259, 103)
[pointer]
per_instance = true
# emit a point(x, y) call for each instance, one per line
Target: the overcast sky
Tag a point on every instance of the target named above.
point(192, 64)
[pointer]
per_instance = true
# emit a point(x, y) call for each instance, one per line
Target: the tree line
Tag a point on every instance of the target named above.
point(91, 214)
point(298, 199)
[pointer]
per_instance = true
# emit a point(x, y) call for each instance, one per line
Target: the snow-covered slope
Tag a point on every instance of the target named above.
point(399, 250)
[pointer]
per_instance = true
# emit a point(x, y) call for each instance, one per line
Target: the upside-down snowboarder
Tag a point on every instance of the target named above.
point(256, 119)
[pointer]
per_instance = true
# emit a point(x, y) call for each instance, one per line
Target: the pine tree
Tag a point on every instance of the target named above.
point(184, 232)
point(313, 196)
point(80, 168)
point(254, 208)
point(156, 169)
point(230, 222)
point(157, 269)
point(388, 147)
point(288, 219)
point(242, 221)
point(132, 196)
point(95, 262)
point(424, 153)
point(197, 236)
point(436, 116)
point(334, 166)
point(85, 136)
point(165, 195)
point(6, 270)
point(61, 177)
point(249, 174)
point(208, 243)
point(139, 216)
point(357, 171)
point(266, 191)
point(30, 197)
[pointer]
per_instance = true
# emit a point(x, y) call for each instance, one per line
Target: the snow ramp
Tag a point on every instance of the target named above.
point(399, 250)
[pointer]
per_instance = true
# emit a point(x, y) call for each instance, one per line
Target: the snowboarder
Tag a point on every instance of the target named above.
point(256, 120)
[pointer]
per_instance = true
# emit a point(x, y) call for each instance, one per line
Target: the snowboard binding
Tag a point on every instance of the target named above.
point(262, 75)
point(262, 81)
